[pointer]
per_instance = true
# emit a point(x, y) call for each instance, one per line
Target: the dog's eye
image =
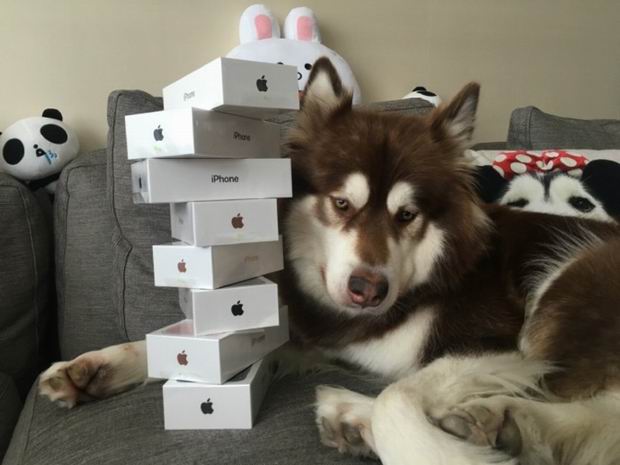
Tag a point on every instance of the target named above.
point(405, 216)
point(341, 204)
point(581, 203)
point(519, 203)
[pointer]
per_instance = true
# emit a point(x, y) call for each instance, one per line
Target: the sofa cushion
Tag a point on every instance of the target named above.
point(25, 273)
point(86, 317)
point(531, 128)
point(141, 306)
point(128, 429)
point(10, 406)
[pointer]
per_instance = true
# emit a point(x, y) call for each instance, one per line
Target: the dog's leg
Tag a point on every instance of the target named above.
point(95, 375)
point(539, 433)
point(403, 424)
point(343, 419)
point(404, 433)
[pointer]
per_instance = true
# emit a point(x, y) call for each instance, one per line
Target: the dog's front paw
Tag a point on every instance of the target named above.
point(61, 384)
point(343, 420)
point(94, 375)
point(485, 422)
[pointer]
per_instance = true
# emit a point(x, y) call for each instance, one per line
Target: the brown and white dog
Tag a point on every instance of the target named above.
point(499, 329)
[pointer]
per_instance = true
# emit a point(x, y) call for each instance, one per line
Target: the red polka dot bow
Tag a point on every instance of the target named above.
point(512, 163)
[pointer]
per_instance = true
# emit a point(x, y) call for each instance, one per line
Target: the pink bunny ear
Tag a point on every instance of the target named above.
point(301, 24)
point(257, 23)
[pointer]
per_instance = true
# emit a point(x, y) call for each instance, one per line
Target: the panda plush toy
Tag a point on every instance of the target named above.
point(34, 150)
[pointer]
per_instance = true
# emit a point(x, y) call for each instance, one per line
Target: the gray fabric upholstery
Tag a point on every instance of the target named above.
point(10, 406)
point(128, 429)
point(489, 146)
point(83, 227)
point(25, 268)
point(410, 106)
point(141, 306)
point(531, 128)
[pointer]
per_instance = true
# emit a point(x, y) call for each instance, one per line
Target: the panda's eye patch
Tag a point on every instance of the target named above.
point(519, 203)
point(308, 66)
point(581, 203)
point(54, 133)
point(13, 151)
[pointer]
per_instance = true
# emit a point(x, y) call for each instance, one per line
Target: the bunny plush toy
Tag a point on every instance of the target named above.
point(259, 34)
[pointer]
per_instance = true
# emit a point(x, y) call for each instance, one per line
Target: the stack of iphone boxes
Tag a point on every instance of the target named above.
point(214, 159)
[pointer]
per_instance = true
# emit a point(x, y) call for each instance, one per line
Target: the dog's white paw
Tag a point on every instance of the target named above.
point(485, 422)
point(343, 420)
point(94, 375)
point(58, 385)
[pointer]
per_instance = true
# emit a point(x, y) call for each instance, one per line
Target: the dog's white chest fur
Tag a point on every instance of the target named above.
point(395, 353)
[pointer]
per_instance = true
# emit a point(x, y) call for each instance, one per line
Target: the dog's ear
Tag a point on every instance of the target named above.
point(456, 119)
point(324, 88)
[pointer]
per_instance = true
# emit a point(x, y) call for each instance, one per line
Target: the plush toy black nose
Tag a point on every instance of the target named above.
point(367, 288)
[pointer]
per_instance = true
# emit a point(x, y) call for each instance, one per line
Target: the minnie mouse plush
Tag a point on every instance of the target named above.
point(572, 188)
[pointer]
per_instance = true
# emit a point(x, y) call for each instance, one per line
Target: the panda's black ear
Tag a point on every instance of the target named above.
point(52, 113)
point(601, 179)
point(490, 185)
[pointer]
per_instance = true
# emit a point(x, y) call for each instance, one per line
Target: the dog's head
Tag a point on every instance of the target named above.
point(383, 203)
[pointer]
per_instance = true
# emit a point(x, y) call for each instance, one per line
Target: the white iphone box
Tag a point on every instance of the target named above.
point(182, 265)
point(247, 305)
point(194, 133)
point(233, 405)
point(225, 221)
point(248, 88)
point(159, 180)
point(174, 352)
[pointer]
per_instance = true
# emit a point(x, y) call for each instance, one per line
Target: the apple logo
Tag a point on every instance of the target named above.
point(182, 358)
point(158, 133)
point(207, 407)
point(261, 84)
point(237, 309)
point(237, 221)
point(181, 266)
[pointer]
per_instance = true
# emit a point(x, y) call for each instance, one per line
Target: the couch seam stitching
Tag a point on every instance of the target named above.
point(35, 271)
point(123, 318)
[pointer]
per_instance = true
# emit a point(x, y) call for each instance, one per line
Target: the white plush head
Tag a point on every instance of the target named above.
point(35, 148)
point(259, 34)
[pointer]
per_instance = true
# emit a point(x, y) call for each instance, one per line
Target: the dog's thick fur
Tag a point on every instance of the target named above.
point(498, 328)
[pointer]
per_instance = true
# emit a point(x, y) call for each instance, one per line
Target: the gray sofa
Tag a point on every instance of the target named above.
point(105, 295)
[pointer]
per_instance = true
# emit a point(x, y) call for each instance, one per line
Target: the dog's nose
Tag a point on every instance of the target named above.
point(367, 288)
